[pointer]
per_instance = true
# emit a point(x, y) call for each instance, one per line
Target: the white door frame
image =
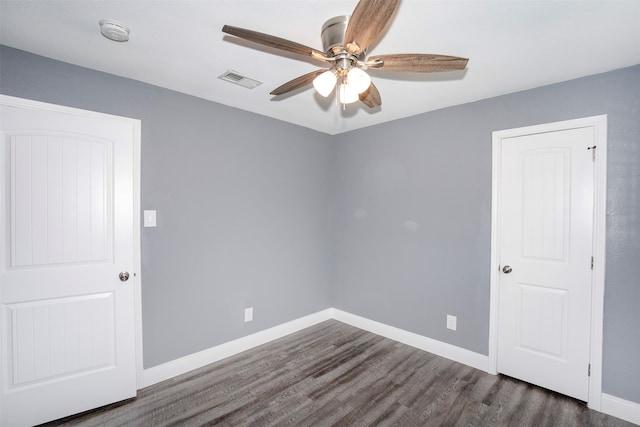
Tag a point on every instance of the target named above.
point(599, 124)
point(137, 279)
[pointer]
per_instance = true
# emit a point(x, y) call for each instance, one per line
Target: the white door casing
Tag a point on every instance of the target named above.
point(69, 203)
point(546, 315)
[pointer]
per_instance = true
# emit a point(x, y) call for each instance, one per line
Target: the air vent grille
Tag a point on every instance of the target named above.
point(239, 79)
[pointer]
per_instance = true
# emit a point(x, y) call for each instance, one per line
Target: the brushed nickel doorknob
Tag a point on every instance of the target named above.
point(506, 269)
point(124, 276)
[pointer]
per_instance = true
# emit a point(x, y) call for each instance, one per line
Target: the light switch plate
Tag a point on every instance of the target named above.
point(150, 218)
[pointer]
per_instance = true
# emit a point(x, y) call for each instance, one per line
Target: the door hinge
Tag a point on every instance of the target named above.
point(593, 152)
point(592, 263)
point(589, 370)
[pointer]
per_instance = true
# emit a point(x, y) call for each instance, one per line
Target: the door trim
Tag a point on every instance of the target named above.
point(137, 280)
point(599, 124)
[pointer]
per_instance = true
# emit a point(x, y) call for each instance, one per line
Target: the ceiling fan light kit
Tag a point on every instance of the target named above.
point(345, 41)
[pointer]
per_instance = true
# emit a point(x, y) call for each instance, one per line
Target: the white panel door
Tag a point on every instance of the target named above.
point(546, 229)
point(67, 335)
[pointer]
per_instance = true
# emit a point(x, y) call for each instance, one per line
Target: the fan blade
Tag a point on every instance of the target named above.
point(371, 97)
point(275, 42)
point(367, 22)
point(297, 83)
point(419, 62)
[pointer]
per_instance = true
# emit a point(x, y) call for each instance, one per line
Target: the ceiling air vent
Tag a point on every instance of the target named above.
point(237, 78)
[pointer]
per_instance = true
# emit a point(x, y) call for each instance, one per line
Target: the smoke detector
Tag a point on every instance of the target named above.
point(114, 30)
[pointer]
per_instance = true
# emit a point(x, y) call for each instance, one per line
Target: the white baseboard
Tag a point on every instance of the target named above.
point(457, 354)
point(620, 408)
point(197, 360)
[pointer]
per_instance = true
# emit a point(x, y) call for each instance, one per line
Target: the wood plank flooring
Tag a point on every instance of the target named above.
point(333, 374)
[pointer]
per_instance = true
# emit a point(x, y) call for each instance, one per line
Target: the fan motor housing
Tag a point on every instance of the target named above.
point(333, 35)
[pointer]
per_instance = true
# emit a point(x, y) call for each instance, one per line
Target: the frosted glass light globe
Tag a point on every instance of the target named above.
point(358, 80)
point(325, 83)
point(347, 95)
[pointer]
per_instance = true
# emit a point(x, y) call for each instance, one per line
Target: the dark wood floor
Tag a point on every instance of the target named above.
point(335, 374)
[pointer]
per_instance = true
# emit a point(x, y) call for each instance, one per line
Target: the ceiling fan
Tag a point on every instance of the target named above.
point(345, 41)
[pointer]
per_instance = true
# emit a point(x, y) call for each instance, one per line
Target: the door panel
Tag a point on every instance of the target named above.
point(546, 222)
point(542, 325)
point(64, 336)
point(60, 187)
point(546, 205)
point(67, 340)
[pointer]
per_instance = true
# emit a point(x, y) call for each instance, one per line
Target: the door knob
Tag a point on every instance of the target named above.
point(124, 276)
point(506, 269)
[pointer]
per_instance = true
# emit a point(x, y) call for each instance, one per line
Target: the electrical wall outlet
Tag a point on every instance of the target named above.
point(451, 322)
point(248, 314)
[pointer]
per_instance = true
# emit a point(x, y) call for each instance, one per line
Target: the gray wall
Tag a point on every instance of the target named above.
point(412, 216)
point(390, 222)
point(242, 205)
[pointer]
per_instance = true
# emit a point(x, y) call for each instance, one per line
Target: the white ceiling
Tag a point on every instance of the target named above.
point(512, 45)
